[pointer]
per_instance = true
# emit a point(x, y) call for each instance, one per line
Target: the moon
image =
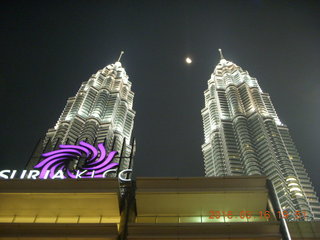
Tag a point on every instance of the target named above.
point(188, 60)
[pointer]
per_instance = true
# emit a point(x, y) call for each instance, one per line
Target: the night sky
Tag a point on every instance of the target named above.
point(48, 49)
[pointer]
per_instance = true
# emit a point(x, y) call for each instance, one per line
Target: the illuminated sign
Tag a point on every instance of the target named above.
point(65, 163)
point(95, 163)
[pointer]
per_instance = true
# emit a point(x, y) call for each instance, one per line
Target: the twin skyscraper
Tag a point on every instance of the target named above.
point(242, 132)
point(244, 136)
point(100, 112)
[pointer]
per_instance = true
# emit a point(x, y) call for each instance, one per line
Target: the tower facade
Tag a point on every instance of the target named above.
point(100, 112)
point(244, 136)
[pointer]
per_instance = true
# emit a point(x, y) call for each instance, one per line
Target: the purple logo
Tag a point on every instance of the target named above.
point(96, 162)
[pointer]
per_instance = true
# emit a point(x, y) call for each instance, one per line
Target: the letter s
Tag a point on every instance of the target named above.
point(2, 174)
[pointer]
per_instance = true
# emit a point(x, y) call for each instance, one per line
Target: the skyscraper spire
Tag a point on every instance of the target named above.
point(122, 52)
point(244, 136)
point(221, 55)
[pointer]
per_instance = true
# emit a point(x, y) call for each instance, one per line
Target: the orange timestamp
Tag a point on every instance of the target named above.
point(261, 214)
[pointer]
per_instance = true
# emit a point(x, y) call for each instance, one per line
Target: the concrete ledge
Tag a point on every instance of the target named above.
point(54, 231)
point(266, 230)
point(59, 185)
point(201, 184)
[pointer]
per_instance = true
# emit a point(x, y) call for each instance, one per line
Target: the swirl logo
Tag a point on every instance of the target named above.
point(96, 162)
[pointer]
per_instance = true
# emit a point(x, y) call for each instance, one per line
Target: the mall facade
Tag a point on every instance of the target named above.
point(242, 207)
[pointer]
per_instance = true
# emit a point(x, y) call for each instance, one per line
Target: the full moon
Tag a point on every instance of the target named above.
point(188, 60)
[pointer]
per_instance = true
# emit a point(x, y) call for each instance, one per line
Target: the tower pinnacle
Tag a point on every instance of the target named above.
point(122, 52)
point(221, 55)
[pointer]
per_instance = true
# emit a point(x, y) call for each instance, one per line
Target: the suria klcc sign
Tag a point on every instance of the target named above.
point(56, 164)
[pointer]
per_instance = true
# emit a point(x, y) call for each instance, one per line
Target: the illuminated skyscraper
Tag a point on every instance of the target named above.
point(244, 136)
point(100, 112)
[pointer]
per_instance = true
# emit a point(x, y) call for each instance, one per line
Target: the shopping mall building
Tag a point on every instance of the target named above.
point(147, 208)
